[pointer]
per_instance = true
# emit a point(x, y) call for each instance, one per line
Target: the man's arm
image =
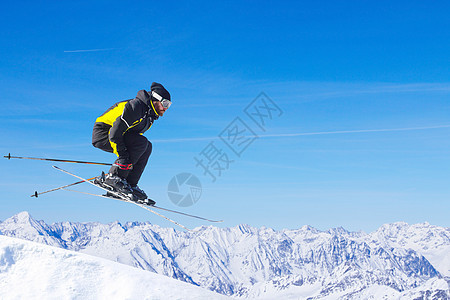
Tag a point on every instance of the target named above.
point(130, 117)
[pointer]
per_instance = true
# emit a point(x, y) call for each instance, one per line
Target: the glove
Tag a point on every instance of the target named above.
point(123, 163)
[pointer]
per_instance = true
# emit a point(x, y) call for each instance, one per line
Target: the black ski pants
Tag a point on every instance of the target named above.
point(139, 149)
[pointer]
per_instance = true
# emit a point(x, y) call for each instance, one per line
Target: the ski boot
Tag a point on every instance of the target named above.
point(117, 185)
point(141, 196)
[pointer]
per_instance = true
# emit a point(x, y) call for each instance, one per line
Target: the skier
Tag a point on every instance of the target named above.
point(119, 130)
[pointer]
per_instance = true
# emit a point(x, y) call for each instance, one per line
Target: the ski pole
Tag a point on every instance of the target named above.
point(60, 160)
point(36, 194)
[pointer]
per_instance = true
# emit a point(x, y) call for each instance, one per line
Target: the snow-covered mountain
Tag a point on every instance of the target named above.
point(30, 270)
point(396, 261)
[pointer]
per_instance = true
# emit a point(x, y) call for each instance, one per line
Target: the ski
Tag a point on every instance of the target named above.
point(152, 206)
point(187, 215)
point(146, 207)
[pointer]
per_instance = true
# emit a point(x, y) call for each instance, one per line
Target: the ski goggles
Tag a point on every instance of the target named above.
point(165, 102)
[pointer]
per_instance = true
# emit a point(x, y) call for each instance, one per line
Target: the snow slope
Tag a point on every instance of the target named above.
point(30, 270)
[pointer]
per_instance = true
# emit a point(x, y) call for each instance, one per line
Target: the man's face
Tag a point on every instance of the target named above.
point(159, 108)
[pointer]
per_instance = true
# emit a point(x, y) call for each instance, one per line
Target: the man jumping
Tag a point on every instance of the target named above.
point(119, 130)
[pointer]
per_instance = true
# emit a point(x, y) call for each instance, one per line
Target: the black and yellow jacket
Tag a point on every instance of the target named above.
point(134, 115)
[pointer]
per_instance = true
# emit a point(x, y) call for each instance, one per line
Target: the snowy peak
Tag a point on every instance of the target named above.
point(23, 218)
point(24, 226)
point(418, 233)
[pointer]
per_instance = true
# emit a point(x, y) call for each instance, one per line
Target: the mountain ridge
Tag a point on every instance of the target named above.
point(245, 261)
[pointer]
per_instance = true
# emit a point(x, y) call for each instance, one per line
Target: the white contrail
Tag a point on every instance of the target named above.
point(305, 133)
point(354, 131)
point(89, 50)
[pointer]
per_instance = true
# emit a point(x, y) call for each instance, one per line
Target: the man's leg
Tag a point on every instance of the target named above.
point(139, 165)
point(139, 149)
point(100, 139)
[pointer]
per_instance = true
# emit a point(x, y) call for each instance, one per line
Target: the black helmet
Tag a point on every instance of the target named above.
point(160, 91)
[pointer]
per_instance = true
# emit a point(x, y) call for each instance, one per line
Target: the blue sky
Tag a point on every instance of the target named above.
point(345, 68)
